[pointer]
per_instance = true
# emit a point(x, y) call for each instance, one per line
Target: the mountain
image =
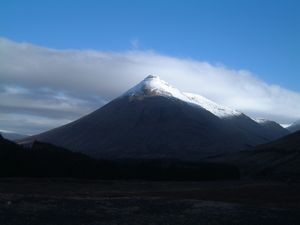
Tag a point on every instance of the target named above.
point(287, 143)
point(155, 120)
point(294, 126)
point(272, 129)
point(279, 159)
point(255, 131)
point(12, 136)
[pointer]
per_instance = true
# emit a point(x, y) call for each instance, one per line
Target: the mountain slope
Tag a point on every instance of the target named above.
point(216, 109)
point(155, 120)
point(278, 159)
point(272, 129)
point(255, 131)
point(294, 127)
point(152, 128)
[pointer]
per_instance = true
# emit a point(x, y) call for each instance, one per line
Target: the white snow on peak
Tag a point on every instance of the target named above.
point(153, 86)
point(214, 108)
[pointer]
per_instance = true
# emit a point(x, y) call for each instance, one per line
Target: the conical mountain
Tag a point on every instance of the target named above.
point(154, 120)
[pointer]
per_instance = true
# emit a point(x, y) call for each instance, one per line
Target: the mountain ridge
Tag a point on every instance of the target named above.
point(294, 126)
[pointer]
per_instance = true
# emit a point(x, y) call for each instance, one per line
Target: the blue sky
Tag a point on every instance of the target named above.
point(61, 59)
point(260, 36)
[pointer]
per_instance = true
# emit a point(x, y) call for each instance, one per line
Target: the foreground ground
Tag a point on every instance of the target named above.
point(87, 202)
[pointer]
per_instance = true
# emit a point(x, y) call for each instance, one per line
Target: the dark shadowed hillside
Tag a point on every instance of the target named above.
point(279, 159)
point(45, 160)
point(294, 126)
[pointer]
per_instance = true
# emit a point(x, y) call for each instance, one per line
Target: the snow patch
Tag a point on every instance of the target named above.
point(216, 109)
point(153, 86)
point(262, 121)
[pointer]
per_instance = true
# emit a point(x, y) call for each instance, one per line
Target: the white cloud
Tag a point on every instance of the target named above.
point(28, 124)
point(66, 84)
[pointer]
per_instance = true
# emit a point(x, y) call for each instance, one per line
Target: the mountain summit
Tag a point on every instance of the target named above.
point(153, 86)
point(155, 120)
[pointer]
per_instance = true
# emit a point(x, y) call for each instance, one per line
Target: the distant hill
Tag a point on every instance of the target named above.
point(278, 159)
point(12, 136)
point(294, 126)
point(273, 129)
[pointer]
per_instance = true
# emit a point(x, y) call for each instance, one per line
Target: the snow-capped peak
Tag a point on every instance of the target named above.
point(153, 86)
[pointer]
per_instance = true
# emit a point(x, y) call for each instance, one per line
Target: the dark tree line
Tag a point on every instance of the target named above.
point(45, 160)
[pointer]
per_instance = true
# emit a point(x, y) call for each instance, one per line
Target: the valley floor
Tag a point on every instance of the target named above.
point(87, 202)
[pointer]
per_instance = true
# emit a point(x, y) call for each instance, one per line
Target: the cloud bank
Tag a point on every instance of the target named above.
point(41, 88)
